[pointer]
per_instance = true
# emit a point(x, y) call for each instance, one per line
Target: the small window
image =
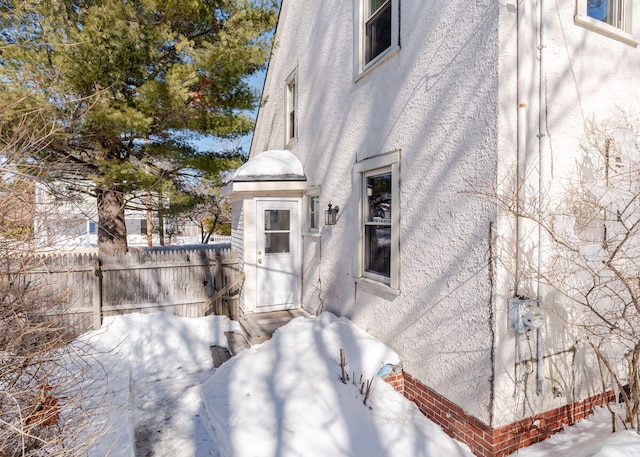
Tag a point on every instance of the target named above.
point(379, 31)
point(313, 213)
point(291, 121)
point(378, 189)
point(618, 19)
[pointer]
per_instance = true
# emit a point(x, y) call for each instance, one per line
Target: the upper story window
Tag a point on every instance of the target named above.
point(378, 31)
point(612, 12)
point(378, 184)
point(291, 96)
point(618, 19)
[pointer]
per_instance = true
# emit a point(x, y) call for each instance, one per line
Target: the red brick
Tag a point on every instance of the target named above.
point(487, 442)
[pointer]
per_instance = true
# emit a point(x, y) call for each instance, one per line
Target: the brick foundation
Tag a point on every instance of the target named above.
point(483, 440)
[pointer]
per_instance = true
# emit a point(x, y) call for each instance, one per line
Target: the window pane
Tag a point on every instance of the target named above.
point(378, 33)
point(379, 198)
point(377, 252)
point(276, 219)
point(609, 11)
point(276, 243)
point(313, 213)
point(373, 6)
point(292, 124)
point(291, 109)
point(377, 230)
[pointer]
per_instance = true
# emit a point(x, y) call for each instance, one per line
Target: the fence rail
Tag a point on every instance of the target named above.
point(184, 280)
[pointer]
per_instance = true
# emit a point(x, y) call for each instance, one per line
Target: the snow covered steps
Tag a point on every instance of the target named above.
point(258, 327)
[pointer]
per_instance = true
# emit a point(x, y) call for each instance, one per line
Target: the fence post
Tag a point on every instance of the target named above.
point(97, 295)
point(219, 285)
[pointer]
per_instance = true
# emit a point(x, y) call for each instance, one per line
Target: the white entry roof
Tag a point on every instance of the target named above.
point(273, 165)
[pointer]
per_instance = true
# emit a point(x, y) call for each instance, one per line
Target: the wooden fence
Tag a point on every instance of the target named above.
point(188, 281)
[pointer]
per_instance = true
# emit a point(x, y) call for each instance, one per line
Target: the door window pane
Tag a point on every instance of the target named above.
point(276, 243)
point(277, 223)
point(277, 219)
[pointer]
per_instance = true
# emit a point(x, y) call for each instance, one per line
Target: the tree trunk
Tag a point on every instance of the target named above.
point(112, 231)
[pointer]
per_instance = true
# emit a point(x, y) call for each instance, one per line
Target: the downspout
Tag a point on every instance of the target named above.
point(521, 147)
point(521, 160)
point(543, 164)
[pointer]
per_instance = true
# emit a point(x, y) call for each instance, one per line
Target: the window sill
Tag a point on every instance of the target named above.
point(311, 234)
point(291, 143)
point(606, 29)
point(377, 62)
point(378, 286)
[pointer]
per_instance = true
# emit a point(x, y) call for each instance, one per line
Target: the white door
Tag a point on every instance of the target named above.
point(277, 254)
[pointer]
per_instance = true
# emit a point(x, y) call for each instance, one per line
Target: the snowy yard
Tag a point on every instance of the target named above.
point(281, 398)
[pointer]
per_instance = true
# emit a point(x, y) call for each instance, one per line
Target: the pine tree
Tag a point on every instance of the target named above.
point(125, 82)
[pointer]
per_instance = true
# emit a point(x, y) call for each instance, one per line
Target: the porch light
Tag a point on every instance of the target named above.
point(331, 215)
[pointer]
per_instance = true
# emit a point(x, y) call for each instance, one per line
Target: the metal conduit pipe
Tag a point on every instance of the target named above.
point(543, 165)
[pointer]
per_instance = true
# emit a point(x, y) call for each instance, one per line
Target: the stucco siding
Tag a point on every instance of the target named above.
point(435, 101)
point(588, 76)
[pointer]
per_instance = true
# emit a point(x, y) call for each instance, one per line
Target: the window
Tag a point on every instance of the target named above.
point(612, 12)
point(291, 122)
point(619, 19)
point(277, 229)
point(379, 31)
point(313, 213)
point(377, 223)
point(377, 179)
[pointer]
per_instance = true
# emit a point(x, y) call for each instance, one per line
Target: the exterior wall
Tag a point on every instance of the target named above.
point(435, 101)
point(312, 297)
point(485, 441)
point(448, 101)
point(588, 76)
point(244, 234)
point(247, 258)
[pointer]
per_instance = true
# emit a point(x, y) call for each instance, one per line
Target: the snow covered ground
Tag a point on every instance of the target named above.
point(282, 398)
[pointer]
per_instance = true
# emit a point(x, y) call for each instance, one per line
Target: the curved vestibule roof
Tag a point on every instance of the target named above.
point(273, 165)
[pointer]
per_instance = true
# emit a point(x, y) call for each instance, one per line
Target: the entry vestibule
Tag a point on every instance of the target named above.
point(266, 196)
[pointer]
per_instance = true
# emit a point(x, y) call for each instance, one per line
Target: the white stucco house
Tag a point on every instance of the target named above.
point(392, 111)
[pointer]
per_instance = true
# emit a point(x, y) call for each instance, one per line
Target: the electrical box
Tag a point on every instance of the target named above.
point(524, 315)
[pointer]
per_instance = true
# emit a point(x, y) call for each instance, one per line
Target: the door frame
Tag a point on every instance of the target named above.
point(295, 248)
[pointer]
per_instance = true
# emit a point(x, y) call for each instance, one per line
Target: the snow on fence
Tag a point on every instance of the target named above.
point(188, 281)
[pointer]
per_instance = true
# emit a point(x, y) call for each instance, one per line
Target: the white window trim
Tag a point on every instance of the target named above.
point(387, 161)
point(595, 25)
point(291, 79)
point(360, 67)
point(308, 231)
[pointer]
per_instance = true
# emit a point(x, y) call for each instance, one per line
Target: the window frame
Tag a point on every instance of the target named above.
point(312, 194)
point(360, 52)
point(378, 165)
point(291, 108)
point(630, 34)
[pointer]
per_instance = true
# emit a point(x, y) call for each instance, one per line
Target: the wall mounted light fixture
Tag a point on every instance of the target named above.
point(331, 215)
